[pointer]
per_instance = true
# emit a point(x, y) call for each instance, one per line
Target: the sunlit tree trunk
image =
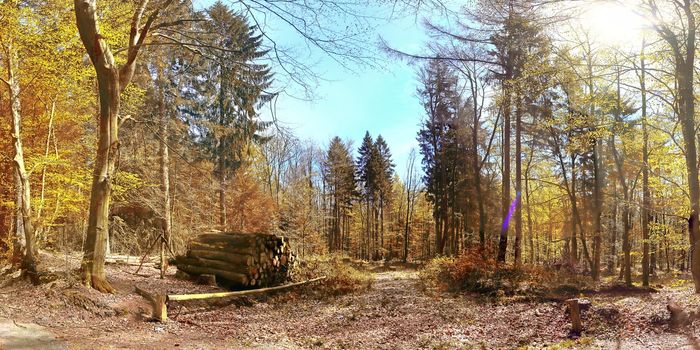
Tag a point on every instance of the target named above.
point(683, 48)
point(111, 81)
point(164, 185)
point(530, 232)
point(598, 174)
point(52, 113)
point(28, 251)
point(646, 200)
point(505, 195)
point(518, 181)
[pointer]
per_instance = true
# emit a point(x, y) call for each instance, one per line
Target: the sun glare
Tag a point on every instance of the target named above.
point(613, 24)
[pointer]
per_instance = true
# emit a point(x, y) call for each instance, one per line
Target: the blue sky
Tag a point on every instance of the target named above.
point(348, 102)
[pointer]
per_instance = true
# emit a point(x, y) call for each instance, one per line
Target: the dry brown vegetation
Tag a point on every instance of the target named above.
point(396, 312)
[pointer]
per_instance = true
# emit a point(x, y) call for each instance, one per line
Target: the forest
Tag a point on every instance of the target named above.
point(155, 193)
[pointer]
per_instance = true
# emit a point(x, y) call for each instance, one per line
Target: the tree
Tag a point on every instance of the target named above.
point(384, 180)
point(112, 79)
point(411, 195)
point(443, 141)
point(682, 41)
point(227, 91)
point(339, 174)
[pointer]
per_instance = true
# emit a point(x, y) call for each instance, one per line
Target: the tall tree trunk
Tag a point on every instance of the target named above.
point(49, 133)
point(612, 258)
point(94, 248)
point(223, 220)
point(687, 115)
point(19, 241)
point(518, 182)
point(646, 200)
point(529, 209)
point(574, 214)
point(164, 185)
point(599, 178)
point(477, 179)
point(409, 186)
point(30, 251)
point(111, 81)
point(619, 163)
point(626, 245)
point(381, 224)
point(505, 195)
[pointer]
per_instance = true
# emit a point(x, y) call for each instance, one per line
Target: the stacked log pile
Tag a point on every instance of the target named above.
point(238, 259)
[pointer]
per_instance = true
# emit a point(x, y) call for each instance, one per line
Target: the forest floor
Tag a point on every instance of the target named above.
point(394, 313)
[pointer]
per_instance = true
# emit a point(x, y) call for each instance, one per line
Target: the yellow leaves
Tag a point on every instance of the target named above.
point(114, 20)
point(132, 100)
point(123, 182)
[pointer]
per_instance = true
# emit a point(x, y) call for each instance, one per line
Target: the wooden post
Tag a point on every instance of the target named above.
point(575, 315)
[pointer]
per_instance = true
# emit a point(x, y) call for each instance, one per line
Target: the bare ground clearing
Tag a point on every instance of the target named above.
point(395, 313)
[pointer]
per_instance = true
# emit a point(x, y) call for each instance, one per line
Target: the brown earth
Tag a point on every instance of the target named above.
point(395, 313)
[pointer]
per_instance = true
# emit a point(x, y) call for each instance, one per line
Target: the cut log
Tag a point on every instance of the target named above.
point(245, 250)
point(185, 297)
point(217, 264)
point(242, 240)
point(207, 280)
point(241, 259)
point(234, 277)
point(264, 259)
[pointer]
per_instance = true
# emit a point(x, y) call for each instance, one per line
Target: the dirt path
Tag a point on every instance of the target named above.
point(395, 313)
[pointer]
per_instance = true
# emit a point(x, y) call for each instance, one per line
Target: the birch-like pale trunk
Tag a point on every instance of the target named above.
point(26, 244)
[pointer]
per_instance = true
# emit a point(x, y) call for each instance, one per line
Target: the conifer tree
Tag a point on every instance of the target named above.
point(339, 172)
point(227, 93)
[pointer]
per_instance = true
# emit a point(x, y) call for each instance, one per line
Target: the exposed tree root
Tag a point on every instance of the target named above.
point(98, 283)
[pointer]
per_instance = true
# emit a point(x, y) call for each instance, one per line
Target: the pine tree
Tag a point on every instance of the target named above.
point(227, 93)
point(367, 177)
point(441, 103)
point(384, 183)
point(339, 173)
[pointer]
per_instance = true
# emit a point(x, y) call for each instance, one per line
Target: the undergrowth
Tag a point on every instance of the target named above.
point(341, 278)
point(475, 270)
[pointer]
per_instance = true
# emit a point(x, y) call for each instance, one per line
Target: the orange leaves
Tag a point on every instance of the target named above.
point(249, 207)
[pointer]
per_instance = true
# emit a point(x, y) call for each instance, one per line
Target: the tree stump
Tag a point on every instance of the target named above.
point(575, 315)
point(158, 303)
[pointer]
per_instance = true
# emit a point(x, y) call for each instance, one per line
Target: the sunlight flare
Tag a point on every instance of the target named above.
point(613, 24)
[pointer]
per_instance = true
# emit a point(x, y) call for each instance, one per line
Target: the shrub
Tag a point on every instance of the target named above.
point(341, 278)
point(476, 270)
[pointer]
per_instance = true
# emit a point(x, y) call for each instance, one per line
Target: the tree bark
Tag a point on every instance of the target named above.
point(529, 209)
point(683, 49)
point(599, 177)
point(111, 81)
point(518, 182)
point(505, 195)
point(164, 185)
point(646, 200)
point(29, 251)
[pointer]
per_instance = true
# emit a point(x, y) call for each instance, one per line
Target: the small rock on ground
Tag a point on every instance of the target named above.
point(16, 336)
